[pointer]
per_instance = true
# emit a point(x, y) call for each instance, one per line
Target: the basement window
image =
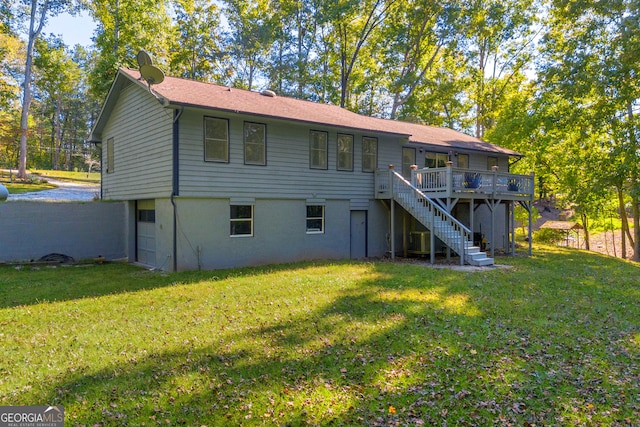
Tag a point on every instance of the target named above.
point(315, 219)
point(241, 220)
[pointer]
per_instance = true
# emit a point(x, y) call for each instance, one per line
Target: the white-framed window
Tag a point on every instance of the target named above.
point(345, 152)
point(110, 155)
point(435, 160)
point(315, 219)
point(216, 140)
point(318, 150)
point(241, 220)
point(255, 143)
point(369, 154)
point(408, 160)
point(491, 161)
point(463, 161)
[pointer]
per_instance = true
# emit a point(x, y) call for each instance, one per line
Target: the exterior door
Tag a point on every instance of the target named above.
point(146, 233)
point(358, 234)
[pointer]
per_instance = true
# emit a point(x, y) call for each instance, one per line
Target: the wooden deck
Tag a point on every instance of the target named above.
point(450, 182)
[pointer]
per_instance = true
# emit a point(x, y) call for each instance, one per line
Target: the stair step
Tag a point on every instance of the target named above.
point(482, 262)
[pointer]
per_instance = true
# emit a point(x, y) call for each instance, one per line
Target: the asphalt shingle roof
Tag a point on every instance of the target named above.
point(183, 92)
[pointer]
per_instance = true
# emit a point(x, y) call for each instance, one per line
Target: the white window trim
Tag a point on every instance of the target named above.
point(250, 220)
point(320, 203)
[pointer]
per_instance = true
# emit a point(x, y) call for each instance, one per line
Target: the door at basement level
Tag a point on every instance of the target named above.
point(146, 232)
point(358, 234)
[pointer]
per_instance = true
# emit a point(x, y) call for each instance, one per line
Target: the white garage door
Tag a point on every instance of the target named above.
point(146, 233)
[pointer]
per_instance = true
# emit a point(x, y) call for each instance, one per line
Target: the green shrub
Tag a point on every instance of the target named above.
point(547, 236)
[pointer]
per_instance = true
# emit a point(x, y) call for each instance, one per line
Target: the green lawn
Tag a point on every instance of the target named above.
point(553, 340)
point(19, 187)
point(67, 175)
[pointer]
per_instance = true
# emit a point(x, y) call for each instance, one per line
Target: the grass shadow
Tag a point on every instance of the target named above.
point(398, 345)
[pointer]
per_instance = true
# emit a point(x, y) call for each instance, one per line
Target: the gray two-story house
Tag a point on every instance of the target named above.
point(219, 177)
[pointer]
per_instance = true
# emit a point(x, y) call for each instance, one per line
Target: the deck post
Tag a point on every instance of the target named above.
point(449, 173)
point(494, 169)
point(512, 227)
point(414, 176)
point(449, 178)
point(530, 228)
point(432, 246)
point(393, 217)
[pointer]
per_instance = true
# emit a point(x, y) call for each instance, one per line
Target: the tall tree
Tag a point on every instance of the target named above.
point(253, 28)
point(353, 24)
point(125, 27)
point(57, 77)
point(197, 48)
point(12, 57)
point(498, 40)
point(38, 11)
point(577, 124)
point(416, 36)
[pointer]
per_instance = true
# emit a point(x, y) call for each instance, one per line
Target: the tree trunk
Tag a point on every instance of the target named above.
point(636, 229)
point(27, 97)
point(57, 141)
point(625, 222)
point(585, 224)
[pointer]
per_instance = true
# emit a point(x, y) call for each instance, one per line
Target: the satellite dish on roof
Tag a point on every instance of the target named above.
point(144, 59)
point(152, 75)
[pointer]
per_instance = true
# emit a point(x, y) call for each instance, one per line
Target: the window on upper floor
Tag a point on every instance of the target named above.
point(463, 161)
point(315, 219)
point(345, 152)
point(110, 155)
point(255, 143)
point(216, 140)
point(318, 150)
point(369, 154)
point(435, 160)
point(408, 160)
point(491, 161)
point(241, 220)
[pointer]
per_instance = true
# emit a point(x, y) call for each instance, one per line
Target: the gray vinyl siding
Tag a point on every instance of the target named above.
point(286, 174)
point(142, 135)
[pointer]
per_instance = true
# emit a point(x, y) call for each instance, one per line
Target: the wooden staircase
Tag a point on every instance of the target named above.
point(440, 222)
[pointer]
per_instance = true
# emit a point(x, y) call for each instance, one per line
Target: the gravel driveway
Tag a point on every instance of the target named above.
point(66, 192)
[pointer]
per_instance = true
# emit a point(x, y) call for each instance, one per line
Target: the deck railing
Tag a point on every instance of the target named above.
point(456, 182)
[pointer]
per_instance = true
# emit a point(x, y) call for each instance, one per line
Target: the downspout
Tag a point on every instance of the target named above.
point(175, 182)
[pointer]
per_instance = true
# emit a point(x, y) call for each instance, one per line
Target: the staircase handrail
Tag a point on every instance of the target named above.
point(463, 231)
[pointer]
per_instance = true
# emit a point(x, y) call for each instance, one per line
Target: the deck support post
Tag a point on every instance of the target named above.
point(471, 218)
point(530, 228)
point(492, 204)
point(393, 217)
point(432, 246)
point(512, 227)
